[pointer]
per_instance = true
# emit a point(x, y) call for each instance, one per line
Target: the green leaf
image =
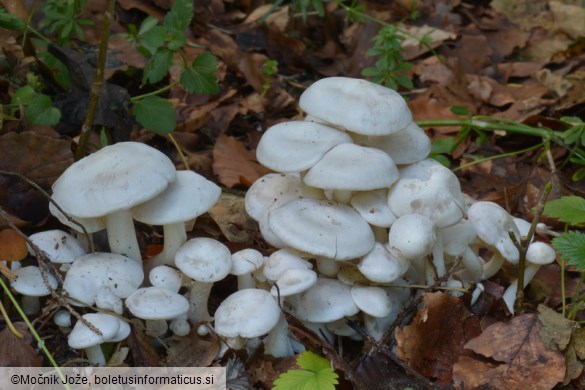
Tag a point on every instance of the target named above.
point(175, 39)
point(200, 77)
point(579, 174)
point(158, 66)
point(153, 38)
point(180, 15)
point(10, 21)
point(156, 114)
point(442, 145)
point(317, 374)
point(460, 110)
point(568, 209)
point(40, 111)
point(147, 24)
point(571, 246)
point(23, 95)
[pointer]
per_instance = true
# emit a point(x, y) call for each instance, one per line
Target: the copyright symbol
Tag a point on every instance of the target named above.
point(14, 379)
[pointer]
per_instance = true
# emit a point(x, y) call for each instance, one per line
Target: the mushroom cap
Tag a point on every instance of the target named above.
point(156, 303)
point(430, 189)
point(83, 337)
point(354, 168)
point(382, 265)
point(458, 237)
point(540, 253)
point(246, 261)
point(280, 261)
point(322, 228)
point(493, 224)
point(294, 281)
point(60, 246)
point(165, 277)
point(91, 225)
point(204, 259)
point(297, 145)
point(374, 301)
point(412, 236)
point(271, 191)
point(406, 146)
point(328, 300)
point(116, 177)
point(183, 200)
point(89, 273)
point(247, 313)
point(356, 105)
point(29, 281)
point(373, 207)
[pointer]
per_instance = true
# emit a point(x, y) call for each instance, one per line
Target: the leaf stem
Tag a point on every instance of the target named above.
point(497, 124)
point(154, 93)
point(503, 155)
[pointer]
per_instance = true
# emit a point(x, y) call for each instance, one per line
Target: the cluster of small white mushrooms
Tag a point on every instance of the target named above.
point(355, 193)
point(354, 205)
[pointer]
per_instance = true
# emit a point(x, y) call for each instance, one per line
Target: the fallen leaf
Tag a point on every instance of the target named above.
point(519, 358)
point(234, 164)
point(17, 352)
point(434, 340)
point(229, 214)
point(192, 350)
point(556, 329)
point(144, 354)
point(12, 245)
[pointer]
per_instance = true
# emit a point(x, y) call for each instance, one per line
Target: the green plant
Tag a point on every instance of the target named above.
point(37, 107)
point(570, 244)
point(63, 19)
point(269, 70)
point(316, 373)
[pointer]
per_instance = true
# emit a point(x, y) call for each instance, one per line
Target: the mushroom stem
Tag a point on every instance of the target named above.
point(310, 192)
point(95, 355)
point(175, 235)
point(277, 342)
point(492, 266)
point(198, 302)
point(121, 234)
point(327, 267)
point(246, 281)
point(510, 294)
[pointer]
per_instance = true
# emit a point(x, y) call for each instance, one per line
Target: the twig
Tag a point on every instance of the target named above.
point(98, 81)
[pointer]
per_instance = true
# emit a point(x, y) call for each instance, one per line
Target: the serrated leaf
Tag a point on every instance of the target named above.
point(156, 114)
point(200, 77)
point(40, 111)
point(153, 38)
point(147, 24)
point(180, 15)
point(158, 66)
point(571, 246)
point(312, 362)
point(568, 209)
point(317, 374)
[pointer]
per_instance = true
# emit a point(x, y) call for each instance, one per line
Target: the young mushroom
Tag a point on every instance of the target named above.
point(30, 283)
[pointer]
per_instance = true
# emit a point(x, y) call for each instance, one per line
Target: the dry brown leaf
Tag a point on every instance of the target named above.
point(17, 352)
point(556, 329)
point(12, 245)
point(144, 354)
point(434, 340)
point(192, 350)
point(234, 164)
point(231, 217)
point(519, 358)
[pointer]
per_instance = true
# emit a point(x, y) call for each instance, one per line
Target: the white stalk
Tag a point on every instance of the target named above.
point(121, 234)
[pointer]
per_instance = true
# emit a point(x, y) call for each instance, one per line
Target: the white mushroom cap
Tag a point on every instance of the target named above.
point(280, 261)
point(493, 224)
point(83, 337)
point(93, 271)
point(29, 282)
point(247, 313)
point(353, 168)
point(373, 207)
point(407, 146)
point(296, 146)
point(458, 237)
point(374, 301)
point(430, 189)
point(356, 105)
point(156, 303)
point(246, 261)
point(114, 178)
point(62, 319)
point(91, 225)
point(271, 191)
point(294, 281)
point(165, 277)
point(322, 228)
point(60, 246)
point(185, 199)
point(382, 265)
point(539, 253)
point(328, 300)
point(412, 236)
point(204, 259)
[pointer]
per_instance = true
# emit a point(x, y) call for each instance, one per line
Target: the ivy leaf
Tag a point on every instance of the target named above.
point(568, 209)
point(200, 77)
point(40, 111)
point(156, 114)
point(571, 246)
point(158, 66)
point(316, 374)
point(180, 15)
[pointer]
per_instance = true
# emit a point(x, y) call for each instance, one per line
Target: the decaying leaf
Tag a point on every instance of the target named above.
point(192, 351)
point(231, 217)
point(16, 352)
point(434, 340)
point(518, 358)
point(556, 330)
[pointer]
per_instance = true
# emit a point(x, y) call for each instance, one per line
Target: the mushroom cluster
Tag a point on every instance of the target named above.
point(355, 204)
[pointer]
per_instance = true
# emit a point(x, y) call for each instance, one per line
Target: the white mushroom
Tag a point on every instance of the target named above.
point(244, 263)
point(82, 337)
point(29, 282)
